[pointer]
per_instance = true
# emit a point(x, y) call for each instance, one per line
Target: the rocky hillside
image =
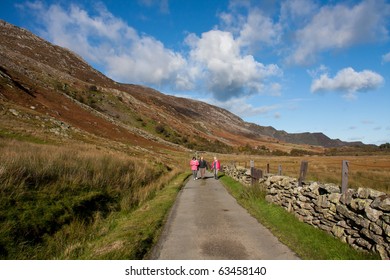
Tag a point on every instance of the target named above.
point(48, 92)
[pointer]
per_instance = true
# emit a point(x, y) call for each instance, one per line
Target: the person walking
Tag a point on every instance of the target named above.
point(216, 166)
point(202, 167)
point(194, 167)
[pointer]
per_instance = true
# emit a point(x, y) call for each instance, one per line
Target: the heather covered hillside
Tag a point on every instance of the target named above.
point(64, 95)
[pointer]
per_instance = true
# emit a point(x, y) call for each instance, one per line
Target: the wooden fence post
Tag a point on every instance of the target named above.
point(267, 168)
point(252, 167)
point(303, 172)
point(344, 176)
point(280, 170)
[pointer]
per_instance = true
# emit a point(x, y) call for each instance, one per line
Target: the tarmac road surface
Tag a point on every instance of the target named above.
point(206, 223)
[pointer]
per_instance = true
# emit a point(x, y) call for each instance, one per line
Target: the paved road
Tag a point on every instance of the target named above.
point(207, 223)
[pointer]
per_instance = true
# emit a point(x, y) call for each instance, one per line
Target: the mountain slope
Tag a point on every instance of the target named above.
point(52, 90)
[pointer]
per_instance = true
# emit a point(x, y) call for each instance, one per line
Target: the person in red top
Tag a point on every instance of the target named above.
point(216, 166)
point(194, 167)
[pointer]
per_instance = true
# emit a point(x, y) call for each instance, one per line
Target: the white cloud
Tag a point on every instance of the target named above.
point(215, 61)
point(146, 61)
point(162, 4)
point(241, 107)
point(226, 72)
point(348, 81)
point(254, 30)
point(275, 89)
point(112, 44)
point(338, 27)
point(386, 57)
point(295, 10)
point(317, 71)
point(259, 29)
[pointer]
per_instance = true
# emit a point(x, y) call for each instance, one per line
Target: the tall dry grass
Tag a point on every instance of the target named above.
point(364, 171)
point(44, 189)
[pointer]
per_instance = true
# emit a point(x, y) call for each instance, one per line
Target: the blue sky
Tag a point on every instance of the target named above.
point(297, 65)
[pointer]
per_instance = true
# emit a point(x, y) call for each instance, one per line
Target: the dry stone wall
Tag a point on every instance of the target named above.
point(359, 217)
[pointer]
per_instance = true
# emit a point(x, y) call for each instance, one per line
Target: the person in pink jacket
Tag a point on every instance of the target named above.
point(194, 167)
point(216, 166)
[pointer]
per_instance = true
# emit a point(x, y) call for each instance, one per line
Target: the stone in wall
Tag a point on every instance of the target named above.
point(382, 203)
point(375, 228)
point(338, 231)
point(328, 188)
point(346, 197)
point(372, 214)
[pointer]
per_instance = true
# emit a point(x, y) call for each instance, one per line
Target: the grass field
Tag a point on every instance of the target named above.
point(47, 191)
point(364, 171)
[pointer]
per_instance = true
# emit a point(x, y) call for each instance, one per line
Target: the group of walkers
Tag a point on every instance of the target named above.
point(200, 165)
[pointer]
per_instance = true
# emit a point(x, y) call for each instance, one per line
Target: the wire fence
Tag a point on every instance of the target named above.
point(348, 173)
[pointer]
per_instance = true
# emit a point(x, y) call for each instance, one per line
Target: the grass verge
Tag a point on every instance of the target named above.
point(306, 241)
point(72, 201)
point(128, 235)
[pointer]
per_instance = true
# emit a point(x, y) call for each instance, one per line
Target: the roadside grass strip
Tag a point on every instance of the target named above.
point(132, 235)
point(305, 240)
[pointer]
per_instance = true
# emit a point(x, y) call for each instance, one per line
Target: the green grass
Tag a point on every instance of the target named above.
point(306, 241)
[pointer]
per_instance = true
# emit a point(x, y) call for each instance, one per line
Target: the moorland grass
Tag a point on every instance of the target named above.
point(306, 241)
point(48, 192)
point(122, 235)
point(369, 171)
